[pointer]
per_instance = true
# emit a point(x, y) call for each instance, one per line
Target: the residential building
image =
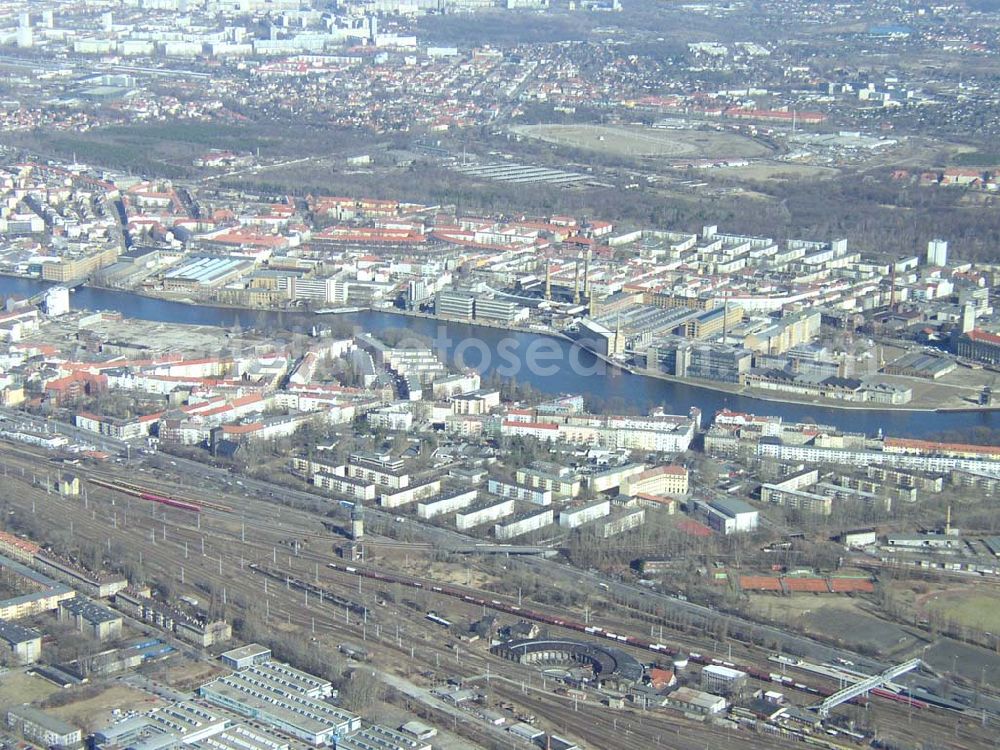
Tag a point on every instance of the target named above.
point(23, 644)
point(448, 502)
point(47, 730)
point(485, 512)
point(523, 524)
point(354, 488)
point(519, 492)
point(660, 480)
point(98, 622)
point(571, 518)
point(621, 522)
point(559, 480)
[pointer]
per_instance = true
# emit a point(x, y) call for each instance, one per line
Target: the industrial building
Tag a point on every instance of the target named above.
point(722, 680)
point(694, 701)
point(498, 310)
point(729, 515)
point(460, 305)
point(246, 656)
point(981, 346)
point(375, 737)
point(205, 272)
point(285, 698)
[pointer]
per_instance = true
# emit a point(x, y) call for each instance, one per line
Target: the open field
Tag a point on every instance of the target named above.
point(18, 687)
point(969, 608)
point(776, 171)
point(645, 142)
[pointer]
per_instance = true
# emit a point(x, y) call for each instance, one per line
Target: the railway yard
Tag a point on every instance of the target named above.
point(256, 559)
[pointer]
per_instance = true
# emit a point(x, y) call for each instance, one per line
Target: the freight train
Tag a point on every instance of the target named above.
point(593, 630)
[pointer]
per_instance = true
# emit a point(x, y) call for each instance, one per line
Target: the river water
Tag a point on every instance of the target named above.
point(558, 366)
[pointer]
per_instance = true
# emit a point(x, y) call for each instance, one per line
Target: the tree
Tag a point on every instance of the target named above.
point(361, 690)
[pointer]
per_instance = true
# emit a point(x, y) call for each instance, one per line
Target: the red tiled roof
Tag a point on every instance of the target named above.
point(22, 544)
point(930, 446)
point(985, 336)
point(693, 528)
point(658, 499)
point(532, 425)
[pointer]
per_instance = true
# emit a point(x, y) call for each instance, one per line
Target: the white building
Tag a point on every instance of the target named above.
point(519, 492)
point(573, 517)
point(472, 517)
point(937, 253)
point(446, 504)
point(721, 680)
point(56, 301)
point(729, 515)
point(356, 488)
point(394, 418)
point(522, 525)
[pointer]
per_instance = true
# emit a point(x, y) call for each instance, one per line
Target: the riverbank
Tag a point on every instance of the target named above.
point(621, 386)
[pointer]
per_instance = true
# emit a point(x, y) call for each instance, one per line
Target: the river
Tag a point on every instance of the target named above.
point(560, 367)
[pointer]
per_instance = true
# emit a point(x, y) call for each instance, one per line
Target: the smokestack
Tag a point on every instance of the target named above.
point(548, 280)
point(586, 274)
point(892, 288)
point(576, 282)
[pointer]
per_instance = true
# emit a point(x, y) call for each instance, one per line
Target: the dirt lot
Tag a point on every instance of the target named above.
point(646, 142)
point(95, 710)
point(18, 687)
point(969, 661)
point(792, 608)
point(860, 631)
point(190, 675)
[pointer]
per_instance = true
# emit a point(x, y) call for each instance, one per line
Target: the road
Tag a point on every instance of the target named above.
point(201, 475)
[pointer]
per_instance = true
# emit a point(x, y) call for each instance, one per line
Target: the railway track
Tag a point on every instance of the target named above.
point(223, 531)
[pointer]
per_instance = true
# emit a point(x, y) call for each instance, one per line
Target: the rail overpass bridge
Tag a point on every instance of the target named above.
point(865, 686)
